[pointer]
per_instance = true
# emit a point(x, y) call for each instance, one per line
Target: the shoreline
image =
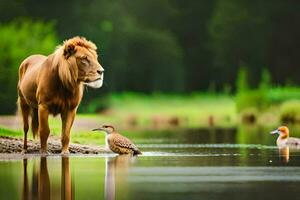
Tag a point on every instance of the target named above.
point(11, 147)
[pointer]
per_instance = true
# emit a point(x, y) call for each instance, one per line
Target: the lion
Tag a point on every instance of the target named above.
point(53, 84)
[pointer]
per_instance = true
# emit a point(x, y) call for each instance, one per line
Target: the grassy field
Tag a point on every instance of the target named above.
point(195, 110)
point(77, 136)
point(133, 113)
point(137, 114)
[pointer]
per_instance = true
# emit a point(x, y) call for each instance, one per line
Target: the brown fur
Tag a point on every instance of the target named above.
point(54, 85)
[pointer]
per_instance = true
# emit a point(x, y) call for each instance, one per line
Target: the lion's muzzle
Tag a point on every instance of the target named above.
point(96, 83)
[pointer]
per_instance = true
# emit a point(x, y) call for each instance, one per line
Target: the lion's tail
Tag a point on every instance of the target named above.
point(33, 115)
point(34, 122)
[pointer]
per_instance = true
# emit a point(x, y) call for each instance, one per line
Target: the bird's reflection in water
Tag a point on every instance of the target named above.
point(284, 154)
point(40, 187)
point(116, 173)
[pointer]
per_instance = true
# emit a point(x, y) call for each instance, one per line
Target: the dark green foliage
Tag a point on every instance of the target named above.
point(156, 57)
point(265, 96)
point(256, 34)
point(95, 105)
point(163, 45)
point(249, 98)
point(242, 81)
point(19, 39)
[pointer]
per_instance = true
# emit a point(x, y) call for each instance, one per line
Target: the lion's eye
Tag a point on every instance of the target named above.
point(85, 60)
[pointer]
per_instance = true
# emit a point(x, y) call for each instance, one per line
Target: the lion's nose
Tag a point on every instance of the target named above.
point(100, 71)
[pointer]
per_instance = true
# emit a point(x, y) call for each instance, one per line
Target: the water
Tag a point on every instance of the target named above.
point(189, 168)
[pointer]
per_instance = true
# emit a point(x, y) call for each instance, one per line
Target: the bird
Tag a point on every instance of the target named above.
point(284, 139)
point(117, 142)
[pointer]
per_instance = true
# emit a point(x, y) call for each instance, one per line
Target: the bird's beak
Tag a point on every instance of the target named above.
point(274, 132)
point(98, 129)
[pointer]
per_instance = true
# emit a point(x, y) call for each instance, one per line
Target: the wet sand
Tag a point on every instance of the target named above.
point(14, 146)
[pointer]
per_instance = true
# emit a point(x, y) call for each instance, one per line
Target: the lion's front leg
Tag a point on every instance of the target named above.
point(43, 127)
point(67, 122)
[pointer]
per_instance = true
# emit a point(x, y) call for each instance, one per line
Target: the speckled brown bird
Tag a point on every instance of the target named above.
point(118, 143)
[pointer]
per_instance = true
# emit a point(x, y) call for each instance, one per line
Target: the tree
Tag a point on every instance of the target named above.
point(239, 32)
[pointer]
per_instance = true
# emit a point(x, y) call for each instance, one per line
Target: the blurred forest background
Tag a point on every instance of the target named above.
point(241, 51)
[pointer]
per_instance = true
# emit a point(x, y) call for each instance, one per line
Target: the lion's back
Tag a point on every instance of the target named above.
point(29, 69)
point(32, 61)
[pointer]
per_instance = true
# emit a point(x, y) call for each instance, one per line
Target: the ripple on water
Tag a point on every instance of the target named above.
point(170, 154)
point(251, 146)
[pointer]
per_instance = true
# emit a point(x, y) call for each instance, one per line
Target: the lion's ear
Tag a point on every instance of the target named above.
point(69, 50)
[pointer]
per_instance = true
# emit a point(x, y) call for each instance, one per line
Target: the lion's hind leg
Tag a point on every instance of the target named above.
point(25, 111)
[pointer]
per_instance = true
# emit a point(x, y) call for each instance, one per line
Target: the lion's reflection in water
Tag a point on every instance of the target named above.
point(40, 188)
point(116, 173)
point(37, 182)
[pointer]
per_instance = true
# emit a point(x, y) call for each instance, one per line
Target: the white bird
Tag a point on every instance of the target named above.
point(284, 139)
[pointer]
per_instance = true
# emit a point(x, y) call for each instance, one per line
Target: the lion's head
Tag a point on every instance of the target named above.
point(77, 61)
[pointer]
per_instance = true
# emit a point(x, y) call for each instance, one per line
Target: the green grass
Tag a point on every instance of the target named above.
point(79, 137)
point(274, 105)
point(193, 111)
point(9, 132)
point(282, 94)
point(264, 98)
